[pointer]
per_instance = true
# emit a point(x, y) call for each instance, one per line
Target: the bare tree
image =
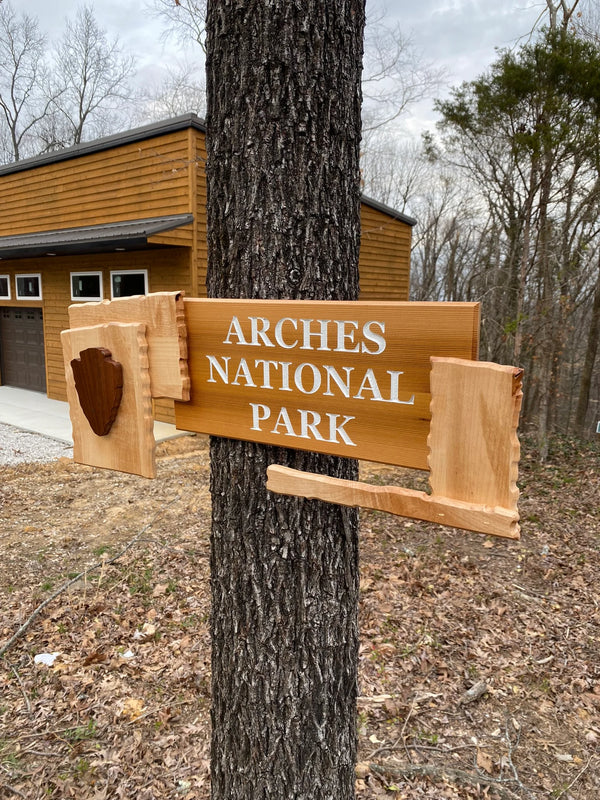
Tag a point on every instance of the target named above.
point(587, 21)
point(556, 6)
point(395, 75)
point(393, 170)
point(186, 19)
point(92, 82)
point(22, 72)
point(178, 93)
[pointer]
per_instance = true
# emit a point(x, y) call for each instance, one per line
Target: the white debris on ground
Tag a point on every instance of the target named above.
point(22, 447)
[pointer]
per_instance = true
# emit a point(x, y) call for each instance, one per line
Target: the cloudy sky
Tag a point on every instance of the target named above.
point(458, 35)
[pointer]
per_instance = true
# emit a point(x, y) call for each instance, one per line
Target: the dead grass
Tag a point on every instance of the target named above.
point(124, 710)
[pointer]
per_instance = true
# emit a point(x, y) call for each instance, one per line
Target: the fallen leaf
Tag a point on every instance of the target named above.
point(485, 761)
point(362, 769)
point(565, 757)
point(133, 708)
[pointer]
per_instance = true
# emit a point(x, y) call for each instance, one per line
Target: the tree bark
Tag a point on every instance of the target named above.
point(283, 133)
point(587, 373)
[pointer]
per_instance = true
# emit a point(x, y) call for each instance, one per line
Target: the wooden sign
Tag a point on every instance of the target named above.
point(129, 445)
point(397, 383)
point(349, 379)
point(162, 314)
point(474, 455)
point(146, 337)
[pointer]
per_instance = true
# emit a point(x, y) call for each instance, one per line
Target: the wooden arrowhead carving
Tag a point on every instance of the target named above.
point(99, 384)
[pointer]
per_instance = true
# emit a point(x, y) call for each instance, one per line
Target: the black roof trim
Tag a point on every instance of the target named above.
point(107, 142)
point(128, 234)
point(368, 201)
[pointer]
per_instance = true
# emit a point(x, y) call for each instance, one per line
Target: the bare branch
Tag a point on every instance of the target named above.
point(185, 19)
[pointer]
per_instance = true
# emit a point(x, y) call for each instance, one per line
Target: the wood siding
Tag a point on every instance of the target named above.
point(167, 268)
point(133, 181)
point(160, 175)
point(384, 262)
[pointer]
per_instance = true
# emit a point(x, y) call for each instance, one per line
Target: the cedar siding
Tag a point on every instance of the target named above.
point(384, 261)
point(142, 175)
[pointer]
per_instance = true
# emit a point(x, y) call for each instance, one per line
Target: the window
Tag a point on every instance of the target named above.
point(29, 287)
point(86, 286)
point(128, 282)
point(5, 286)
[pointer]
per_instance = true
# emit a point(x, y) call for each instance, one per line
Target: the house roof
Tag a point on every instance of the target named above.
point(91, 238)
point(148, 132)
point(107, 142)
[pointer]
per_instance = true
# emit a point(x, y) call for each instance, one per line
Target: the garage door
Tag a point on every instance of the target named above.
point(22, 358)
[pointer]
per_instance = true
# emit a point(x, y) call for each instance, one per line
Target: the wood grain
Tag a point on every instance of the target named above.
point(380, 430)
point(129, 446)
point(99, 384)
point(395, 500)
point(162, 313)
point(473, 444)
point(474, 456)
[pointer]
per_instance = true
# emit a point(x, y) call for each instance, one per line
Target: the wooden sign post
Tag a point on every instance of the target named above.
point(397, 383)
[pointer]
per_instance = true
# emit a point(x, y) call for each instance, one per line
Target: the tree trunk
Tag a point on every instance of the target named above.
point(283, 132)
point(585, 384)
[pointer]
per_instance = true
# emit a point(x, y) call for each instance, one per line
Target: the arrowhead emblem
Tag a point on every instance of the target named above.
point(99, 384)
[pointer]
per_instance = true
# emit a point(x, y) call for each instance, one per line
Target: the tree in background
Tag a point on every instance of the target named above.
point(283, 133)
point(181, 91)
point(22, 76)
point(395, 77)
point(529, 133)
point(91, 78)
point(586, 22)
point(54, 98)
point(395, 74)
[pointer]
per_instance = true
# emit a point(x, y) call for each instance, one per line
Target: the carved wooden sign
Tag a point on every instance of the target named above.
point(146, 337)
point(474, 455)
point(397, 383)
point(349, 379)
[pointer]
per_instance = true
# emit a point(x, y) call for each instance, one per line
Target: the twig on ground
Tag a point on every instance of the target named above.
point(575, 779)
point(474, 693)
point(20, 682)
point(440, 773)
point(394, 746)
point(100, 564)
point(12, 789)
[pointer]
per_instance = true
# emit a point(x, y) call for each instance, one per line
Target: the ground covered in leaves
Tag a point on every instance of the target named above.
point(479, 661)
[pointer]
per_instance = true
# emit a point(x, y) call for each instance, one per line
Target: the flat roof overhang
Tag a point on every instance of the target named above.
point(111, 236)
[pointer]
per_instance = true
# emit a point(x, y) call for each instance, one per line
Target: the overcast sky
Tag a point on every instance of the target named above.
point(459, 35)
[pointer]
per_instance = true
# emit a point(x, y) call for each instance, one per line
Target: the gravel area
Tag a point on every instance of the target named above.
point(21, 447)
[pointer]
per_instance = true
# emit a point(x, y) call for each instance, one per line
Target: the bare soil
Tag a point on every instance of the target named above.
point(479, 660)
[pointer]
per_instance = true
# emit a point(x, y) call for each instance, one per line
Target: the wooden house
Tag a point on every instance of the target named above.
point(126, 215)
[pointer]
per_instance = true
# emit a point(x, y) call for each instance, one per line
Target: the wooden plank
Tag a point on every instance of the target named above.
point(395, 500)
point(129, 446)
point(163, 315)
point(474, 449)
point(283, 393)
point(474, 456)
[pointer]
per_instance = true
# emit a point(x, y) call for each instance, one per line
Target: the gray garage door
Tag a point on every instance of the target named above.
point(22, 358)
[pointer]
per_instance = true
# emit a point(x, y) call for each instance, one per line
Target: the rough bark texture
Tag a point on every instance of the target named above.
point(283, 131)
point(588, 364)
